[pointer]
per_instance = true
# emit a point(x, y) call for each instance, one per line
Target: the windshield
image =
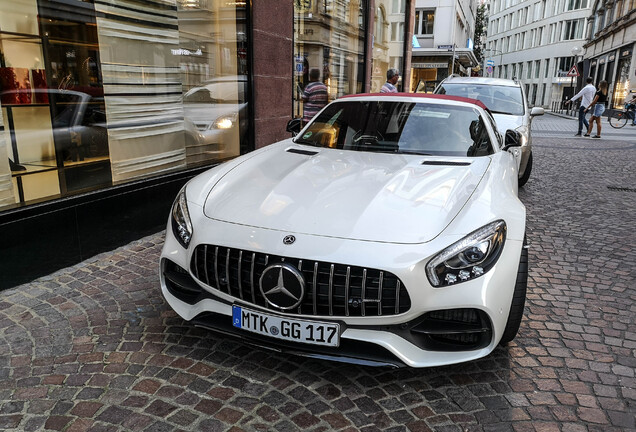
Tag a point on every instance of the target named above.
point(498, 99)
point(399, 127)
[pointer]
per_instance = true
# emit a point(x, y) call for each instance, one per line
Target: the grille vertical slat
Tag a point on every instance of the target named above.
point(364, 291)
point(205, 265)
point(347, 287)
point(227, 272)
point(380, 293)
point(331, 289)
point(315, 289)
point(216, 267)
point(300, 269)
point(266, 262)
point(252, 278)
point(240, 274)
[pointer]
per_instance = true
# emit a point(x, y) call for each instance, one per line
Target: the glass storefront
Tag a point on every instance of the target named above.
point(621, 90)
point(329, 35)
point(95, 94)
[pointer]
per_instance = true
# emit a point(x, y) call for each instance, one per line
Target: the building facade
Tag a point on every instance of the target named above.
point(109, 107)
point(609, 51)
point(539, 42)
point(442, 29)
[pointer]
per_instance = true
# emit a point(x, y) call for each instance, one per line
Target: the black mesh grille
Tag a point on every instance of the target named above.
point(330, 289)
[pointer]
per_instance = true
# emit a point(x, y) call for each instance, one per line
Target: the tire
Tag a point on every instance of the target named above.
point(618, 120)
point(526, 174)
point(518, 299)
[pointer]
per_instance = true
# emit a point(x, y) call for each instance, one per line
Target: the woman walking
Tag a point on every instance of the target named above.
point(598, 107)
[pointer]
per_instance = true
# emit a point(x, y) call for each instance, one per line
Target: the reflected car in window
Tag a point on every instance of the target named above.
point(388, 231)
point(215, 114)
point(507, 102)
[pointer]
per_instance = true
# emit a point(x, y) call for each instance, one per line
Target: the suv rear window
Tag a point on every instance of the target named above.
point(498, 99)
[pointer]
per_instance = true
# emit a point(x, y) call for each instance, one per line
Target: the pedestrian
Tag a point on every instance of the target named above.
point(315, 96)
point(392, 77)
point(597, 107)
point(586, 94)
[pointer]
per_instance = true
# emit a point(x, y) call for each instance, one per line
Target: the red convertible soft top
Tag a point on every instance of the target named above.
point(422, 95)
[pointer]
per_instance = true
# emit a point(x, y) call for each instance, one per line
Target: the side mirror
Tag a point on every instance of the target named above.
point(294, 126)
point(537, 111)
point(513, 139)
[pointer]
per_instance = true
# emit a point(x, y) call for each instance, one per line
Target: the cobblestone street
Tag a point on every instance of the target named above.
point(94, 347)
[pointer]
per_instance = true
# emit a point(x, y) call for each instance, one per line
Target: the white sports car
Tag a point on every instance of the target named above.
point(387, 232)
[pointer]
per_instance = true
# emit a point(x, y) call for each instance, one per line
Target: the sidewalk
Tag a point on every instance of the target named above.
point(556, 125)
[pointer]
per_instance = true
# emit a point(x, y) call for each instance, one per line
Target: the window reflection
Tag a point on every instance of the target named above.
point(329, 35)
point(116, 91)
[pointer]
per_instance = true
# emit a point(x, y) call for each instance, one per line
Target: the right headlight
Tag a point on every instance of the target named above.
point(468, 258)
point(181, 224)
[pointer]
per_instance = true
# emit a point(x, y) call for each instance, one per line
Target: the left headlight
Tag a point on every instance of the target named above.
point(469, 258)
point(225, 122)
point(181, 224)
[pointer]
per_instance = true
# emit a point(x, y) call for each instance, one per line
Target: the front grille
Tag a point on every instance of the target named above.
point(330, 289)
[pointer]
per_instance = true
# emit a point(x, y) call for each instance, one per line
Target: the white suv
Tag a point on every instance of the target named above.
point(507, 102)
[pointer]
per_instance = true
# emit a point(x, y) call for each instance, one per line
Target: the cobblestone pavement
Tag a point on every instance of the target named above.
point(94, 347)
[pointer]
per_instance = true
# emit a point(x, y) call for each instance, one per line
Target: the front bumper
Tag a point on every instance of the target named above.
point(394, 340)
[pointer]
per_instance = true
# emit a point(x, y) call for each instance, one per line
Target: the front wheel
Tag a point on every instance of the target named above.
point(618, 120)
point(518, 298)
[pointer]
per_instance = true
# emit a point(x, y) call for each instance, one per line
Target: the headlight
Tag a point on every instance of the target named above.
point(181, 225)
point(225, 122)
point(469, 258)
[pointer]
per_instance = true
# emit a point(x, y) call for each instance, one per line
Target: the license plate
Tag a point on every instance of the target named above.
point(309, 332)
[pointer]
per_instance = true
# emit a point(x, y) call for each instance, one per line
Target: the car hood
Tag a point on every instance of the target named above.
point(506, 121)
point(345, 194)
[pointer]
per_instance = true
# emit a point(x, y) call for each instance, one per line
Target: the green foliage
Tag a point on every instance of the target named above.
point(481, 26)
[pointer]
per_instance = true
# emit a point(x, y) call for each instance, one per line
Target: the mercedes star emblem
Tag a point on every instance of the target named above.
point(283, 286)
point(289, 239)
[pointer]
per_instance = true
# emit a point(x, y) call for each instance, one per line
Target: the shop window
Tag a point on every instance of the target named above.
point(329, 37)
point(95, 98)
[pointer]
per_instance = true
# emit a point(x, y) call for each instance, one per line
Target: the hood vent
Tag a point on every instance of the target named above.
point(302, 152)
point(446, 163)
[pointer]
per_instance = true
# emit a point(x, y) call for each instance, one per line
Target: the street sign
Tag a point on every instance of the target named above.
point(489, 69)
point(574, 72)
point(446, 47)
point(490, 62)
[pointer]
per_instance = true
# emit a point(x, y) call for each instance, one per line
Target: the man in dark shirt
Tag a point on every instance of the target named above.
point(315, 96)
